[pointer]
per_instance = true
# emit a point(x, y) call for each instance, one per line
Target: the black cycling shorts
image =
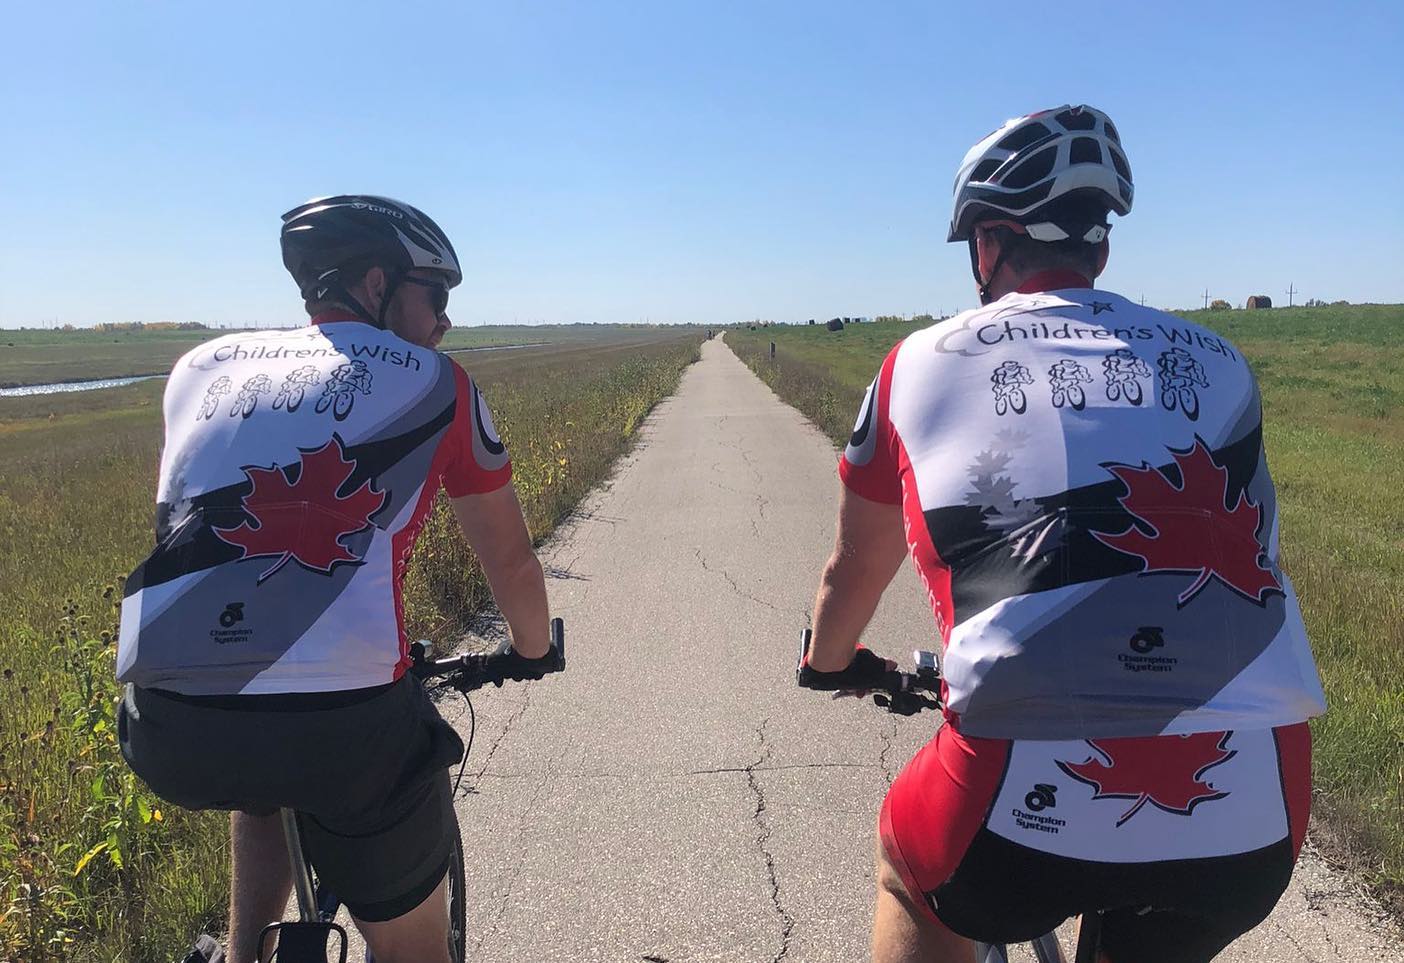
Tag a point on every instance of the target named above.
point(1185, 841)
point(367, 770)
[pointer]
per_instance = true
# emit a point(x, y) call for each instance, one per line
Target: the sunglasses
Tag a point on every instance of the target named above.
point(439, 289)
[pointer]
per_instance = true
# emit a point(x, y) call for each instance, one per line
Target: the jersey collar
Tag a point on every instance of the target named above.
point(1054, 280)
point(333, 316)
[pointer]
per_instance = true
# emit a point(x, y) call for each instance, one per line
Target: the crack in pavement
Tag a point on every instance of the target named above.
point(888, 736)
point(491, 928)
point(502, 736)
point(730, 581)
point(759, 499)
point(787, 922)
point(1295, 945)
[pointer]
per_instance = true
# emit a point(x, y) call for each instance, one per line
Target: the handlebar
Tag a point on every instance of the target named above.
point(473, 670)
point(902, 693)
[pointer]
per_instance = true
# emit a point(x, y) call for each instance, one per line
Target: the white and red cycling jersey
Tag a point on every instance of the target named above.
point(298, 469)
point(1088, 505)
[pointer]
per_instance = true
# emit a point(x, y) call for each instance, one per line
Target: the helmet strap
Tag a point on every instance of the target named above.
point(390, 287)
point(333, 290)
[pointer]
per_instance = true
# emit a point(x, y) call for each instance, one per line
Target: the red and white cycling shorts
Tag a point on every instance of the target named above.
point(1187, 841)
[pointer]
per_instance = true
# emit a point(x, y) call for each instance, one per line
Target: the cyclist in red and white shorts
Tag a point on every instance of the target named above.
point(1127, 677)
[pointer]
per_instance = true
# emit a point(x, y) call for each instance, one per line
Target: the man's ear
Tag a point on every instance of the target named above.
point(1103, 250)
point(986, 248)
point(372, 288)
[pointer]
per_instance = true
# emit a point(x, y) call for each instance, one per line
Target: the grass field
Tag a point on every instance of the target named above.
point(92, 867)
point(36, 357)
point(1332, 380)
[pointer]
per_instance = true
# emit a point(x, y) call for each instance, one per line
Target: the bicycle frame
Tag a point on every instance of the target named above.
point(306, 938)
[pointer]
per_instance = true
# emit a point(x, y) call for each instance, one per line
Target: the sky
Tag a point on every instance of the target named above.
point(676, 160)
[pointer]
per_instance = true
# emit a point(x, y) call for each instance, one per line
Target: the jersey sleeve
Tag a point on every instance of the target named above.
point(477, 460)
point(869, 463)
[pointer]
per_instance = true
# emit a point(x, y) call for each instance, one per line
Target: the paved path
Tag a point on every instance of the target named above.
point(673, 797)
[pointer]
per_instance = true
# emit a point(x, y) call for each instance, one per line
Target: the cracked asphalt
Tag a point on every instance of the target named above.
point(673, 796)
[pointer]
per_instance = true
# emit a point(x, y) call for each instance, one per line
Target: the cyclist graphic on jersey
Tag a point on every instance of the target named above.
point(1067, 378)
point(1180, 372)
point(220, 387)
point(298, 381)
point(339, 393)
point(247, 399)
point(1123, 371)
point(1008, 380)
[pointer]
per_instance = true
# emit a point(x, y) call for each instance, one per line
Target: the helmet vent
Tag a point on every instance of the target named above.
point(1077, 119)
point(1085, 150)
point(1112, 135)
point(1119, 162)
point(1032, 170)
point(1024, 136)
point(985, 168)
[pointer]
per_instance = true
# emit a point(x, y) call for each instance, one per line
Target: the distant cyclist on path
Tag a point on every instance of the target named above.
point(1126, 672)
point(263, 640)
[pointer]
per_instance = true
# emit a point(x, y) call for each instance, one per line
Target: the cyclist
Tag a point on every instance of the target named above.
point(1126, 673)
point(263, 639)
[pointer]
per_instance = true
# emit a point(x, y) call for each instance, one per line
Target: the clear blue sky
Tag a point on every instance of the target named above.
point(712, 161)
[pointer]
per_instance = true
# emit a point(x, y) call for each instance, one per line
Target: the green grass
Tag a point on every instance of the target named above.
point(33, 357)
point(1332, 380)
point(76, 513)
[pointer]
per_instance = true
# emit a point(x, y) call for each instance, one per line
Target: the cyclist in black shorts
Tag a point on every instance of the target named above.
point(263, 640)
point(1126, 674)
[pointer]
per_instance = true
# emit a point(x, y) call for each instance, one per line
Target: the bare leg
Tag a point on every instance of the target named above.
point(419, 936)
point(903, 930)
point(260, 883)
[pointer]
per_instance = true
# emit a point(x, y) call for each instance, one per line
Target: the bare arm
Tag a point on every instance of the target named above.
point(868, 550)
point(493, 525)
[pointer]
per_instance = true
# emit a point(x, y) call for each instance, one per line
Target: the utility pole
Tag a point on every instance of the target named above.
point(1143, 300)
point(1206, 299)
point(1291, 290)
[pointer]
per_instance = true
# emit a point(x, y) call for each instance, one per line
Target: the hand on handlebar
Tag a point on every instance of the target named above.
point(507, 663)
point(867, 670)
point(470, 671)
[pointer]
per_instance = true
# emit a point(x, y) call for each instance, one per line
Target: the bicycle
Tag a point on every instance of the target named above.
point(909, 693)
point(307, 939)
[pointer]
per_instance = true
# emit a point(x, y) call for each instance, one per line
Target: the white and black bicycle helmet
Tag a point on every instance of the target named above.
point(1057, 173)
point(1026, 166)
point(329, 234)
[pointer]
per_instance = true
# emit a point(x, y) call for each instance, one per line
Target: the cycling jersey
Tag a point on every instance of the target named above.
point(1088, 505)
point(298, 469)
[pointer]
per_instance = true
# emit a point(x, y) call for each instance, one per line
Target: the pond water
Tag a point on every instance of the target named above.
point(26, 390)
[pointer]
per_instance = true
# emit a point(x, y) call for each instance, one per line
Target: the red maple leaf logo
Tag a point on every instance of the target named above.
point(304, 520)
point(1165, 771)
point(1192, 530)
